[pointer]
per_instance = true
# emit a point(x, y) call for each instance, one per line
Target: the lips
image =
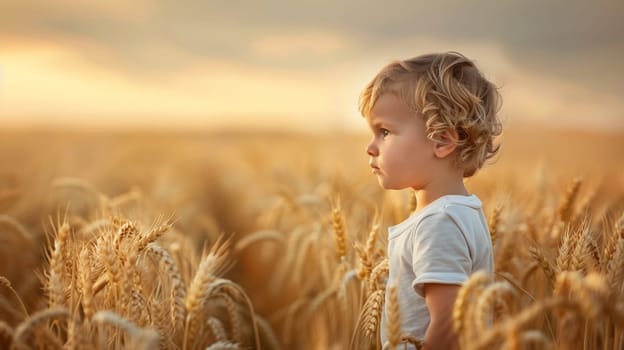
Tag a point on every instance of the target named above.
point(374, 168)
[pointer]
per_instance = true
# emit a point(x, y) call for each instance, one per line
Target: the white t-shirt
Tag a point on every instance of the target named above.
point(444, 242)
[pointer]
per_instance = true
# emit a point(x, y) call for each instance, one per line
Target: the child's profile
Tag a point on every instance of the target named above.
point(434, 120)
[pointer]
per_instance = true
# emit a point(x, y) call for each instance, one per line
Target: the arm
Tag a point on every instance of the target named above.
point(440, 299)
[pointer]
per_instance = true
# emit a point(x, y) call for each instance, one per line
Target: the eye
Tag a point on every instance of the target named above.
point(384, 132)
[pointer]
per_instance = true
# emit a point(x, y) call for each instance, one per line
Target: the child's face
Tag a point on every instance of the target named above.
point(400, 153)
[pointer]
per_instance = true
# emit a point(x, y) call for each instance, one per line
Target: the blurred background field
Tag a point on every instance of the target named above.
point(241, 184)
point(529, 153)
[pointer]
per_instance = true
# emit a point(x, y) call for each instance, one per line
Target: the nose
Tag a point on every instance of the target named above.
point(372, 149)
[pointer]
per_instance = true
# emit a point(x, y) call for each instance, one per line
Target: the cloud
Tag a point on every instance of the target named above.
point(575, 46)
point(531, 32)
point(279, 46)
point(50, 85)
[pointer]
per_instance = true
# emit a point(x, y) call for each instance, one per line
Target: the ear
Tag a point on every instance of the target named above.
point(447, 144)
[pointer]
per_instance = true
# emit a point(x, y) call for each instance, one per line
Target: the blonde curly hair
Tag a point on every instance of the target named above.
point(450, 93)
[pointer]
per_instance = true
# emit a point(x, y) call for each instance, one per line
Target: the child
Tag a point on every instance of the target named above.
point(433, 119)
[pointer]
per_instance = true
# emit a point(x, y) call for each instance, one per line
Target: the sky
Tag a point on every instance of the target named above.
point(296, 64)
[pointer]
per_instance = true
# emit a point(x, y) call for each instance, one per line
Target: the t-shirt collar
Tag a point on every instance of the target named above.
point(471, 201)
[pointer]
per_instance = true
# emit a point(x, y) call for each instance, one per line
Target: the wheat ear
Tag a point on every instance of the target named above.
point(143, 339)
point(464, 298)
point(5, 282)
point(494, 222)
point(18, 228)
point(394, 317)
point(567, 204)
point(25, 330)
point(211, 265)
point(6, 334)
point(259, 236)
point(340, 235)
point(178, 291)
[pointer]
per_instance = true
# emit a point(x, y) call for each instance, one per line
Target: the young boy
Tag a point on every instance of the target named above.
point(434, 120)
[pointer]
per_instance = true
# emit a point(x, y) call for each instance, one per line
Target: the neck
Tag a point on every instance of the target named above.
point(439, 188)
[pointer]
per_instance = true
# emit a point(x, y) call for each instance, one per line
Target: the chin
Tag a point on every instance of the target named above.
point(389, 186)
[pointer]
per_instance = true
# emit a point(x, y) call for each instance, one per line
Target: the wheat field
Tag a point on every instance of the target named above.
point(237, 240)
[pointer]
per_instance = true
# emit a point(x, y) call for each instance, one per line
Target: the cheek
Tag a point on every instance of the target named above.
point(396, 150)
point(392, 156)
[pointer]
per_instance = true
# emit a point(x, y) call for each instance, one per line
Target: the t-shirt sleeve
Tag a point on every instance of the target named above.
point(440, 253)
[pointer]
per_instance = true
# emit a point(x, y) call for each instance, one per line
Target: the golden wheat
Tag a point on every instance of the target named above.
point(294, 251)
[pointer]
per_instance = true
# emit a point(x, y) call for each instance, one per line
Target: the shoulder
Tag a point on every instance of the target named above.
point(451, 215)
point(436, 229)
point(451, 209)
point(440, 220)
point(459, 213)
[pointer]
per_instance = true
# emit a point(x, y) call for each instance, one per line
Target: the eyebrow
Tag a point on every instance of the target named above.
point(378, 121)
